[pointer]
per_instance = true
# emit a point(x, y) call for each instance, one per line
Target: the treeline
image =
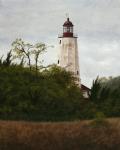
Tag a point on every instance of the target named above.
point(51, 95)
point(105, 94)
point(30, 91)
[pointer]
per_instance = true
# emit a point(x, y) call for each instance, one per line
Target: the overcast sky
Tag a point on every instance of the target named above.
point(96, 22)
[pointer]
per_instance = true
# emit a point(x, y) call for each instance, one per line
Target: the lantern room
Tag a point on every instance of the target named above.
point(68, 28)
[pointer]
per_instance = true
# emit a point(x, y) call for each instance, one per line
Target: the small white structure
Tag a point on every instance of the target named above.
point(85, 91)
point(68, 57)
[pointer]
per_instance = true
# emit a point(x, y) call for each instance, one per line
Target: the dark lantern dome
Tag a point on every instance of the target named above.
point(68, 23)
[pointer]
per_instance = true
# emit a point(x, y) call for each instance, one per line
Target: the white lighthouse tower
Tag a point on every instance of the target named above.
point(68, 57)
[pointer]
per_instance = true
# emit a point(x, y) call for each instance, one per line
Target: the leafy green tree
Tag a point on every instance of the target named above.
point(106, 94)
point(38, 49)
point(24, 50)
point(96, 86)
point(8, 60)
point(53, 97)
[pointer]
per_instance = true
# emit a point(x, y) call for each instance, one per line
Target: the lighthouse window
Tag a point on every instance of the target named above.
point(68, 29)
point(65, 29)
point(71, 29)
point(77, 72)
point(60, 42)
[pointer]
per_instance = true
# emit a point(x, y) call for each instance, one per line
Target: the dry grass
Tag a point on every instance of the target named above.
point(59, 136)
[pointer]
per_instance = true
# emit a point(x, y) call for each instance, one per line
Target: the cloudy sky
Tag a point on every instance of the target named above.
point(97, 24)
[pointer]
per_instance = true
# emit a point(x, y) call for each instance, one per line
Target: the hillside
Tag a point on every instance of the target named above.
point(61, 136)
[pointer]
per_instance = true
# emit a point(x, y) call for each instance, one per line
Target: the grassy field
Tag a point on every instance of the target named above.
point(79, 135)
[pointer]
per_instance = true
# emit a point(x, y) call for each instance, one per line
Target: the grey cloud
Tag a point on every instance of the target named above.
point(96, 22)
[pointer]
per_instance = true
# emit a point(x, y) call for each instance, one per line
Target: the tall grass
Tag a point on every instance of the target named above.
point(59, 136)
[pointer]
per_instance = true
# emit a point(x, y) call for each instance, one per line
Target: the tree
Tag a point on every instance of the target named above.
point(8, 60)
point(38, 49)
point(26, 50)
point(96, 86)
point(22, 50)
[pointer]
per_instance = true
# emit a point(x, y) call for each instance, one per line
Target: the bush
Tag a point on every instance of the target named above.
point(99, 120)
point(106, 96)
point(50, 96)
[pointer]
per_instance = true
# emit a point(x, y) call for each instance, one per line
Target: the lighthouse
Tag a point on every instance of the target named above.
point(68, 54)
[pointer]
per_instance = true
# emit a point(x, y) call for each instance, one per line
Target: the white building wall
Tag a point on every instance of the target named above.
point(68, 57)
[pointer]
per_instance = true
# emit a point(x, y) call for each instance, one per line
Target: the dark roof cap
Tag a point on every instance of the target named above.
point(83, 87)
point(68, 23)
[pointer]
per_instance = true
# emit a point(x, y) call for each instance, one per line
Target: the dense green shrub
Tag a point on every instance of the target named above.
point(51, 95)
point(105, 94)
point(28, 91)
